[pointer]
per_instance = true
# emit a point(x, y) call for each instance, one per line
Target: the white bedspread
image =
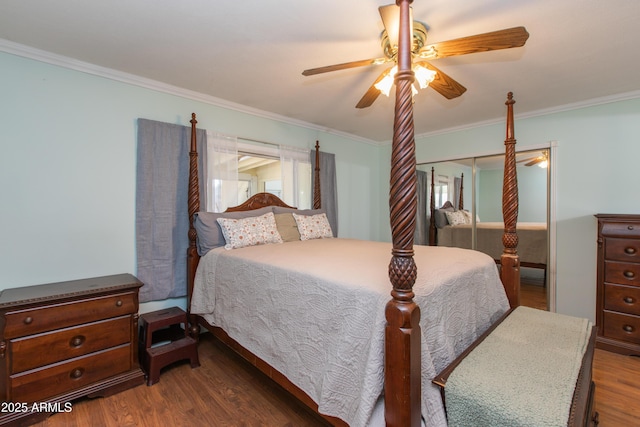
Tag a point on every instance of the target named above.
point(314, 310)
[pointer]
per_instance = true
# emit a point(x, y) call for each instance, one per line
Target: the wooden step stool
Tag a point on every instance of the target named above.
point(164, 341)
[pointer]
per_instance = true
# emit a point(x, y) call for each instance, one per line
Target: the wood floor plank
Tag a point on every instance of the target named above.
point(617, 379)
point(533, 295)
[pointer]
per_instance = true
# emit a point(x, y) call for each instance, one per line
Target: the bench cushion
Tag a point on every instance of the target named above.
point(522, 374)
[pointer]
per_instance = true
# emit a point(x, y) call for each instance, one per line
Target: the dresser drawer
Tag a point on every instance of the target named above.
point(623, 273)
point(621, 229)
point(41, 384)
point(625, 299)
point(48, 317)
point(626, 250)
point(624, 327)
point(29, 352)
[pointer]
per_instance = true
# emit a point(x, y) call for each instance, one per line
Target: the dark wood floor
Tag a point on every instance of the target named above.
point(227, 391)
point(533, 295)
point(224, 391)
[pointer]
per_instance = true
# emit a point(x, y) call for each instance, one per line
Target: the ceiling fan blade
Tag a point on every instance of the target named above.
point(534, 161)
point(526, 160)
point(390, 15)
point(344, 66)
point(372, 94)
point(495, 40)
point(443, 83)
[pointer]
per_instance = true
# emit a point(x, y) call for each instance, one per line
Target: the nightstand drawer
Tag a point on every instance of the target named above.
point(49, 317)
point(626, 250)
point(622, 273)
point(621, 229)
point(625, 299)
point(624, 327)
point(49, 347)
point(38, 385)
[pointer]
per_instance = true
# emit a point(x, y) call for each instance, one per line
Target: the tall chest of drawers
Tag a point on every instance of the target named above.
point(62, 341)
point(618, 286)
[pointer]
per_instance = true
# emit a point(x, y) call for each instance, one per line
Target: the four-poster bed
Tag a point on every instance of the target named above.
point(406, 349)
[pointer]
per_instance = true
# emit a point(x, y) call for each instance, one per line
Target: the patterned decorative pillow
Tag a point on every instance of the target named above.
point(209, 232)
point(313, 226)
point(257, 230)
point(456, 218)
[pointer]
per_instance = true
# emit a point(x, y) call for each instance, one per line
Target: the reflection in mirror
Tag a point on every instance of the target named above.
point(473, 186)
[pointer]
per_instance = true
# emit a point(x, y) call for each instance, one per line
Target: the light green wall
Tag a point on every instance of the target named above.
point(68, 164)
point(597, 172)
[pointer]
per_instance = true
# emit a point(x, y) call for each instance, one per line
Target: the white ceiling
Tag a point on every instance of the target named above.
point(252, 52)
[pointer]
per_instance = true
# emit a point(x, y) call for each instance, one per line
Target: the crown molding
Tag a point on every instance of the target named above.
point(132, 79)
point(109, 73)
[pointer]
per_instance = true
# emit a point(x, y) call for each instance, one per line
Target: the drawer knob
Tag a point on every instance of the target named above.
point(628, 328)
point(629, 274)
point(76, 373)
point(630, 227)
point(77, 341)
point(630, 250)
point(119, 303)
point(28, 320)
point(628, 300)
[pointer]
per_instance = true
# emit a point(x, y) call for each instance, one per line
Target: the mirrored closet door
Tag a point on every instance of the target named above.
point(467, 212)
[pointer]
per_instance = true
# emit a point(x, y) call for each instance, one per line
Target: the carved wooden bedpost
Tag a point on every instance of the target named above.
point(510, 261)
point(317, 203)
point(432, 209)
point(461, 195)
point(193, 207)
point(402, 334)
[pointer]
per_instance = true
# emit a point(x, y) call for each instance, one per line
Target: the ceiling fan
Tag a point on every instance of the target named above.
point(426, 74)
point(542, 160)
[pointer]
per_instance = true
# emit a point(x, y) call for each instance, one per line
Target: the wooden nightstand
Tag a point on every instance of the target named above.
point(163, 341)
point(62, 341)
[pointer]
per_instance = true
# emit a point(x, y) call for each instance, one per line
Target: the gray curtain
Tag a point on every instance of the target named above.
point(328, 186)
point(421, 235)
point(162, 221)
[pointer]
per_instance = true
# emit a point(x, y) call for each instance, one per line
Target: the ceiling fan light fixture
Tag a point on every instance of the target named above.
point(385, 85)
point(424, 76)
point(543, 164)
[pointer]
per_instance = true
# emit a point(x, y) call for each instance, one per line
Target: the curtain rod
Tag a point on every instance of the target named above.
point(258, 141)
point(270, 143)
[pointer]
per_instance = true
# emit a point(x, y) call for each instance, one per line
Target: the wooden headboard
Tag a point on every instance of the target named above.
point(258, 201)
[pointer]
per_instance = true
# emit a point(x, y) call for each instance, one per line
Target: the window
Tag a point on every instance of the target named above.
point(441, 190)
point(273, 187)
point(238, 170)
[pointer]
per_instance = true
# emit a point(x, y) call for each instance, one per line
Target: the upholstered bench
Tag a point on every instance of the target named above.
point(533, 368)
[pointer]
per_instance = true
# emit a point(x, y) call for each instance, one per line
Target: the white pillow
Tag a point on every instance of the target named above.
point(257, 230)
point(456, 218)
point(313, 226)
